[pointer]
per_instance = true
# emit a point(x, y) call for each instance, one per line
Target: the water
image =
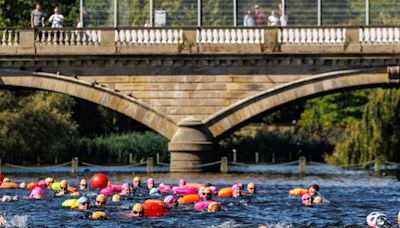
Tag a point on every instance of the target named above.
point(352, 197)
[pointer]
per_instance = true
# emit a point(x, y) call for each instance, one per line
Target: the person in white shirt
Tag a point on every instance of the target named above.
point(248, 19)
point(56, 19)
point(273, 20)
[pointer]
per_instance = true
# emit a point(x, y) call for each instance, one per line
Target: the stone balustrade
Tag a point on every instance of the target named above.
point(377, 35)
point(148, 36)
point(233, 40)
point(312, 35)
point(230, 36)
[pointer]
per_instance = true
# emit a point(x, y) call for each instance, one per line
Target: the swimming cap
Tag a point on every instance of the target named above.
point(251, 185)
point(101, 198)
point(137, 207)
point(235, 186)
point(136, 179)
point(125, 186)
point(306, 199)
point(83, 200)
point(150, 180)
point(182, 182)
point(317, 200)
point(116, 198)
point(83, 181)
point(6, 198)
point(49, 180)
point(63, 184)
point(99, 215)
point(153, 191)
point(6, 179)
point(206, 190)
point(169, 200)
point(214, 206)
point(263, 226)
point(377, 219)
point(22, 185)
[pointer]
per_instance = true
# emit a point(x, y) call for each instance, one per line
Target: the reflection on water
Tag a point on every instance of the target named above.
point(352, 197)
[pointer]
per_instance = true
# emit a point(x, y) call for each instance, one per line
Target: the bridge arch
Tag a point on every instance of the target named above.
point(93, 92)
point(235, 116)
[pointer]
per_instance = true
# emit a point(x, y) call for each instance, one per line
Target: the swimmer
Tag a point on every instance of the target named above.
point(116, 198)
point(48, 181)
point(206, 194)
point(150, 183)
point(170, 201)
point(5, 180)
point(136, 182)
point(7, 198)
point(3, 222)
point(154, 192)
point(251, 189)
point(237, 191)
point(101, 200)
point(22, 185)
point(313, 190)
point(378, 220)
point(63, 188)
point(83, 203)
point(99, 215)
point(125, 189)
point(137, 211)
point(182, 183)
point(83, 184)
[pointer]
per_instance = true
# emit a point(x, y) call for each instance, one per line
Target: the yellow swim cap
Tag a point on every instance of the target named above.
point(251, 185)
point(213, 207)
point(101, 198)
point(136, 179)
point(263, 226)
point(116, 198)
point(6, 179)
point(317, 200)
point(138, 207)
point(63, 184)
point(49, 180)
point(99, 215)
point(206, 191)
point(22, 185)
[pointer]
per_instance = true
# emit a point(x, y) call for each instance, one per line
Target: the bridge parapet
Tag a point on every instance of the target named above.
point(177, 41)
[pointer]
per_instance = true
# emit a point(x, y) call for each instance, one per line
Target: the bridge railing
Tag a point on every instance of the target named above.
point(204, 40)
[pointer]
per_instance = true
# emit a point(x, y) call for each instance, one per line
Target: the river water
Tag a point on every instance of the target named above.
point(352, 196)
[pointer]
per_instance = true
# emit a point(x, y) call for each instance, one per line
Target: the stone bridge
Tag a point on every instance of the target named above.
point(196, 86)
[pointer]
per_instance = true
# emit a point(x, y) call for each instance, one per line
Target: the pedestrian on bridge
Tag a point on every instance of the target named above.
point(57, 19)
point(37, 17)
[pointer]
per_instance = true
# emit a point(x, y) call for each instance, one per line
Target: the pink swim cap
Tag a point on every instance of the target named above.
point(182, 182)
point(42, 184)
point(36, 193)
point(150, 180)
point(169, 200)
point(306, 198)
point(235, 186)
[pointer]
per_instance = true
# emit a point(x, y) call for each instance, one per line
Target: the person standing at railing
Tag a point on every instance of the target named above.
point(57, 19)
point(273, 20)
point(260, 17)
point(283, 18)
point(37, 17)
point(248, 19)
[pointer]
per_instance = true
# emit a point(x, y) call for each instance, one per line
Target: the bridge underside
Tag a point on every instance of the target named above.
point(194, 101)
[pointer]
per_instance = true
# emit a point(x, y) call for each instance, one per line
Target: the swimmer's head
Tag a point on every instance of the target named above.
point(306, 200)
point(170, 201)
point(206, 193)
point(116, 198)
point(22, 185)
point(236, 191)
point(83, 184)
point(150, 183)
point(99, 215)
point(182, 182)
point(251, 188)
point(6, 198)
point(101, 200)
point(83, 203)
point(138, 210)
point(378, 220)
point(313, 189)
point(49, 181)
point(64, 184)
point(214, 207)
point(317, 200)
point(6, 180)
point(154, 191)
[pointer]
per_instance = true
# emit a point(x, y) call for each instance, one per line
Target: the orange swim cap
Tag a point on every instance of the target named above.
point(99, 215)
point(64, 184)
point(116, 198)
point(206, 191)
point(138, 207)
point(101, 198)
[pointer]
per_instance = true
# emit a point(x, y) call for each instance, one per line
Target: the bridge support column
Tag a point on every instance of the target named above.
point(192, 148)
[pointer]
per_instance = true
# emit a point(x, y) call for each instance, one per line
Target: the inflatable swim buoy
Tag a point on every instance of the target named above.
point(196, 185)
point(9, 185)
point(55, 186)
point(185, 190)
point(225, 192)
point(107, 191)
point(32, 185)
point(190, 198)
point(298, 191)
point(199, 206)
point(72, 189)
point(154, 208)
point(164, 188)
point(72, 203)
